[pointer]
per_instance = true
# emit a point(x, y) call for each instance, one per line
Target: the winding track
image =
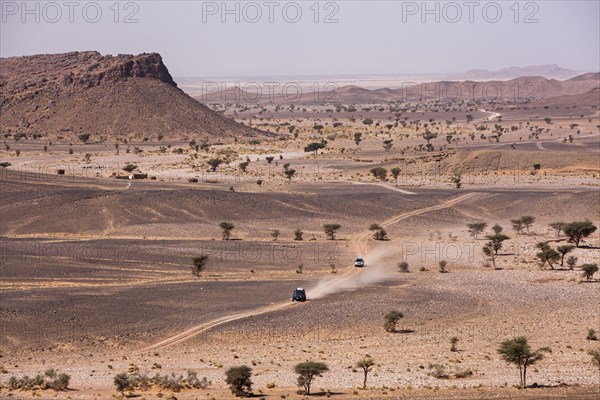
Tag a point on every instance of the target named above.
point(360, 244)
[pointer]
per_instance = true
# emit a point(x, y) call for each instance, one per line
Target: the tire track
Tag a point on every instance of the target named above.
point(359, 243)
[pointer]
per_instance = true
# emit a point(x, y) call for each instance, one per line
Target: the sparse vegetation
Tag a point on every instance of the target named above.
point(50, 379)
point(578, 230)
point(275, 234)
point(239, 380)
point(403, 266)
point(453, 343)
point(589, 270)
point(199, 264)
point(227, 227)
point(547, 255)
point(391, 319)
point(457, 180)
point(517, 351)
point(298, 234)
point(130, 168)
point(134, 380)
point(557, 226)
point(476, 228)
point(379, 233)
point(595, 357)
point(395, 173)
point(331, 230)
point(442, 264)
point(366, 364)
point(314, 147)
point(307, 372)
point(591, 335)
point(379, 173)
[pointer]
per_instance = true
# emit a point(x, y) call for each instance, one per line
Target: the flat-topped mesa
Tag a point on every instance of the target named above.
point(123, 96)
point(147, 65)
point(84, 69)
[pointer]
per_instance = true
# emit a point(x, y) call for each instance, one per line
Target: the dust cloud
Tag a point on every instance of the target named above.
point(376, 269)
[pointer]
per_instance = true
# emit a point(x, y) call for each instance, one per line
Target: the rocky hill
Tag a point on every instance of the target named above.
point(106, 96)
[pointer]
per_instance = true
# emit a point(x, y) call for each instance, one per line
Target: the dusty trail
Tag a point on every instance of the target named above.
point(341, 282)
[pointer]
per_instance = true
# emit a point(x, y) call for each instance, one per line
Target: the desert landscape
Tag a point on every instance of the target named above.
point(158, 234)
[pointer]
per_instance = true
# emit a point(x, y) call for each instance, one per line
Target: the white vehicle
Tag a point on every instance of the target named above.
point(359, 262)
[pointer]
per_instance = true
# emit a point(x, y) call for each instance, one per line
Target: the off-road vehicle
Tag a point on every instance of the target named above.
point(299, 295)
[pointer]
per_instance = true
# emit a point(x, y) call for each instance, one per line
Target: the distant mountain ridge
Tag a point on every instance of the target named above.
point(520, 89)
point(86, 92)
point(549, 71)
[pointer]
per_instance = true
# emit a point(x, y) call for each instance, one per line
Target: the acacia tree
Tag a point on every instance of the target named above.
point(289, 173)
point(476, 228)
point(391, 319)
point(379, 233)
point(563, 251)
point(199, 264)
point(442, 266)
point(589, 270)
point(547, 254)
point(495, 241)
point(571, 262)
point(395, 173)
point(557, 226)
point(129, 167)
point(387, 144)
point(578, 230)
point(314, 147)
point(517, 225)
point(331, 230)
point(456, 178)
point(488, 251)
point(238, 379)
point(379, 173)
point(403, 266)
point(214, 163)
point(427, 135)
point(517, 351)
point(527, 220)
point(366, 364)
point(298, 234)
point(227, 227)
point(307, 372)
point(497, 229)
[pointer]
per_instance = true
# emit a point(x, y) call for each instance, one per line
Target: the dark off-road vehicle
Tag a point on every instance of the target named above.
point(299, 295)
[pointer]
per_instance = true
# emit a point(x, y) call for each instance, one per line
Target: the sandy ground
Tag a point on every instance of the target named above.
point(96, 271)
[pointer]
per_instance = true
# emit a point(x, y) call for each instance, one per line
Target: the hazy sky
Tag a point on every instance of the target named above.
point(199, 38)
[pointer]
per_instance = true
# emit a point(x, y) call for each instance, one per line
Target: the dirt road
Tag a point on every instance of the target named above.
point(341, 282)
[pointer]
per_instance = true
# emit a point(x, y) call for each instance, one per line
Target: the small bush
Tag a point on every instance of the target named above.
point(48, 380)
point(463, 373)
point(133, 380)
point(438, 371)
point(442, 266)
